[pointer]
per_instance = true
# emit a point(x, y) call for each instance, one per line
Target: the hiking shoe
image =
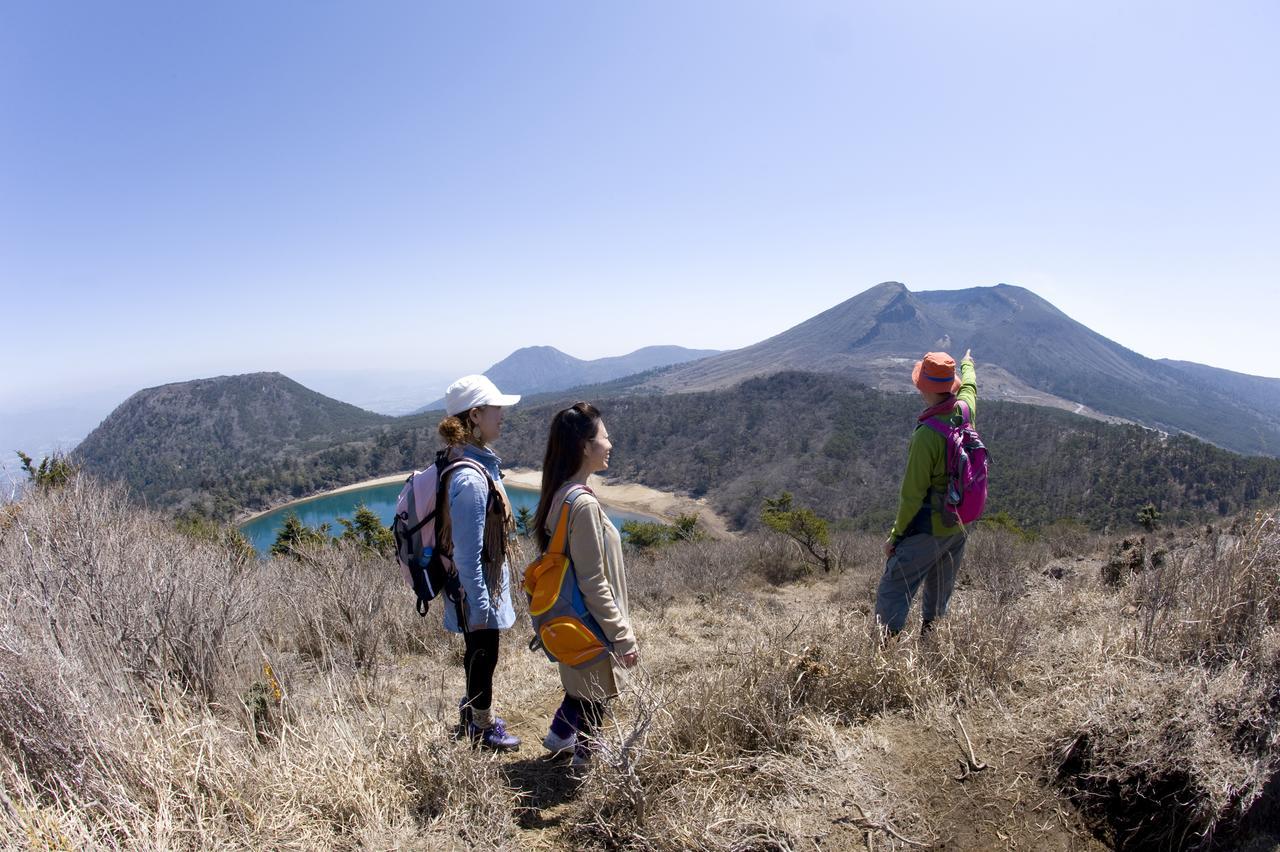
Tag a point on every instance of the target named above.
point(494, 737)
point(584, 755)
point(559, 745)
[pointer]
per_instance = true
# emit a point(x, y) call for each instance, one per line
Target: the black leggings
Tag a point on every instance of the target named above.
point(479, 662)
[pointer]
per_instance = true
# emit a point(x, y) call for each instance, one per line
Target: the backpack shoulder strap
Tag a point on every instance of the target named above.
point(454, 466)
point(559, 538)
point(441, 512)
point(965, 414)
point(941, 428)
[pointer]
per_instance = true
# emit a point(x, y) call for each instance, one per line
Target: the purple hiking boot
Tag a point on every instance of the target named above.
point(494, 737)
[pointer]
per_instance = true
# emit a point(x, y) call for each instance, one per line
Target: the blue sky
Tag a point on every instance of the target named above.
point(191, 189)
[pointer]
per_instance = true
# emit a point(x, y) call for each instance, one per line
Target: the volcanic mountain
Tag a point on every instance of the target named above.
point(1028, 351)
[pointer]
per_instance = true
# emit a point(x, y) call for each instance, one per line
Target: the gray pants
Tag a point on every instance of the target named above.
point(918, 559)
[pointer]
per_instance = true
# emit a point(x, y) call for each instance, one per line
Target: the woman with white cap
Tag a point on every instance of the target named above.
point(478, 525)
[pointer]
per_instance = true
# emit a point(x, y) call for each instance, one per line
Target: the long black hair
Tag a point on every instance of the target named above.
point(571, 429)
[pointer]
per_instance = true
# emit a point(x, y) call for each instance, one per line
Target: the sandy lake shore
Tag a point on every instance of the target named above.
point(368, 483)
point(636, 498)
point(627, 496)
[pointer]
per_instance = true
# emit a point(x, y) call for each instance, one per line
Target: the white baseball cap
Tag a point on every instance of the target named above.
point(471, 392)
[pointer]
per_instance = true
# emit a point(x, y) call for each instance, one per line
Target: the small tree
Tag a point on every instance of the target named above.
point(801, 525)
point(367, 530)
point(53, 471)
point(1149, 517)
point(646, 535)
point(650, 535)
point(197, 526)
point(686, 528)
point(524, 517)
point(295, 536)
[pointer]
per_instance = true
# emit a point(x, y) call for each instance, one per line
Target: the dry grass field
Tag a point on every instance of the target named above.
point(163, 692)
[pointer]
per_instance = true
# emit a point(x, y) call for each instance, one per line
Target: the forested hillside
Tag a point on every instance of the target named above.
point(837, 445)
point(196, 442)
point(840, 448)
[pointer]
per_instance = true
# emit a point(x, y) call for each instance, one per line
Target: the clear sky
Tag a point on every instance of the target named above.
point(191, 189)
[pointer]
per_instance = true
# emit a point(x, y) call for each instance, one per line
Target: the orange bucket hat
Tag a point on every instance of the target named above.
point(936, 373)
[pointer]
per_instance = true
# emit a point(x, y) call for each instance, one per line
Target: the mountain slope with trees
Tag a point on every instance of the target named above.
point(837, 445)
point(1030, 352)
point(173, 443)
point(840, 447)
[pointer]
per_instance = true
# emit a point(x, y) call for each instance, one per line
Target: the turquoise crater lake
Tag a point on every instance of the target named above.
point(381, 499)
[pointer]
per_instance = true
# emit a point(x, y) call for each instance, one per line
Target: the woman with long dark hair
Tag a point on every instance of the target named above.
point(477, 529)
point(577, 447)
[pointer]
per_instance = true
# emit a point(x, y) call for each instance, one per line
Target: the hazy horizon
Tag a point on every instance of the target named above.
point(190, 191)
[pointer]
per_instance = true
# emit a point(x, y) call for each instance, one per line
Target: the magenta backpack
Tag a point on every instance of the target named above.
point(967, 463)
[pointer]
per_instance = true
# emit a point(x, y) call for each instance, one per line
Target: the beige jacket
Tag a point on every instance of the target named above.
point(596, 550)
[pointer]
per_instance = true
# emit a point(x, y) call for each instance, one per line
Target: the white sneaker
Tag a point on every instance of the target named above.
point(559, 745)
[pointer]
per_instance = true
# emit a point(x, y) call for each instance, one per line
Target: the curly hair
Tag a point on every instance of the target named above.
point(455, 430)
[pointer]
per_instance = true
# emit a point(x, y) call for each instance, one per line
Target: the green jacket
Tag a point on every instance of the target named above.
point(927, 464)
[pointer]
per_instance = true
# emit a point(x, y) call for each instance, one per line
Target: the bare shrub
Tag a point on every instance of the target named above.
point(1181, 738)
point(147, 608)
point(45, 731)
point(1066, 537)
point(685, 766)
point(779, 561)
point(997, 561)
point(858, 552)
point(859, 676)
point(702, 569)
point(343, 775)
point(334, 598)
point(981, 645)
point(1214, 603)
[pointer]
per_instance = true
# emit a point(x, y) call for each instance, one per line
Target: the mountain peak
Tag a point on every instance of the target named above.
point(888, 287)
point(1029, 351)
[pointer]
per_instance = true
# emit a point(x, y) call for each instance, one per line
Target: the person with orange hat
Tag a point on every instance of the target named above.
point(922, 549)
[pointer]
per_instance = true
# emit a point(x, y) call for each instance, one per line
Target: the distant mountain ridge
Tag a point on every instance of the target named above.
point(1257, 392)
point(542, 369)
point(1027, 351)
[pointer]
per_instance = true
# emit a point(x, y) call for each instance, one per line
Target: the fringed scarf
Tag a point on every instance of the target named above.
point(499, 524)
